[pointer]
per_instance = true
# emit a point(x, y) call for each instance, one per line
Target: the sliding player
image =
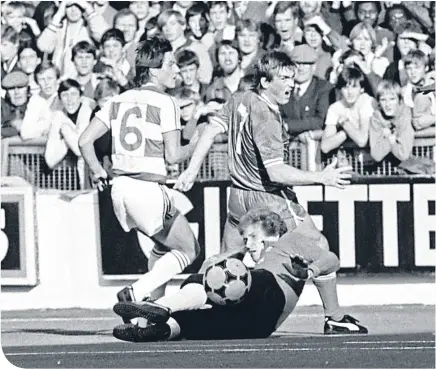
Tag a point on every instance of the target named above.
point(277, 282)
point(145, 125)
point(260, 177)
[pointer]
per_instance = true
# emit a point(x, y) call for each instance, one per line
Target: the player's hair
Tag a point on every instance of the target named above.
point(165, 15)
point(115, 34)
point(106, 87)
point(126, 12)
point(46, 65)
point(84, 47)
point(9, 34)
point(212, 4)
point(283, 6)
point(68, 83)
point(357, 5)
point(268, 66)
point(271, 222)
point(359, 28)
point(350, 76)
point(246, 83)
point(150, 54)
point(187, 57)
point(416, 57)
point(388, 86)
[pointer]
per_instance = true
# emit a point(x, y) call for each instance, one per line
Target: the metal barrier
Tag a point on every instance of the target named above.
point(25, 159)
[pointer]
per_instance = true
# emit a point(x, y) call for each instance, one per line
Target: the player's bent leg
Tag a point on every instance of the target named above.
point(231, 240)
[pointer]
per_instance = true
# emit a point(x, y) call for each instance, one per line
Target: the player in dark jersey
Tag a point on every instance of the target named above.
point(277, 282)
point(260, 177)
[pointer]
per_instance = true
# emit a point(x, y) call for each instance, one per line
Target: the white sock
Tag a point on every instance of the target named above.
point(169, 265)
point(175, 329)
point(190, 297)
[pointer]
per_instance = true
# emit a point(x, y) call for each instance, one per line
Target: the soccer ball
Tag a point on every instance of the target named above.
point(227, 282)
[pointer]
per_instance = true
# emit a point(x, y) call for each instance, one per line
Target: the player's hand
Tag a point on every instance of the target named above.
point(298, 268)
point(185, 181)
point(336, 177)
point(102, 180)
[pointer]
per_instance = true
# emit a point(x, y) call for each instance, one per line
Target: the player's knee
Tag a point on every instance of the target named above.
point(193, 278)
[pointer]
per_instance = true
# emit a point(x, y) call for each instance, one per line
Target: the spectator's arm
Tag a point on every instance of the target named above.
point(378, 140)
point(205, 69)
point(422, 117)
point(37, 120)
point(8, 131)
point(331, 139)
point(419, 13)
point(71, 136)
point(47, 40)
point(56, 148)
point(95, 22)
point(402, 144)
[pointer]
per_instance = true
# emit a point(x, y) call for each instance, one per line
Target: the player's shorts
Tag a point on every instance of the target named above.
point(141, 204)
point(255, 317)
point(295, 216)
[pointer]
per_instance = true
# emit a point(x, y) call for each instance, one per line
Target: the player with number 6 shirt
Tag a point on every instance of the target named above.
point(145, 128)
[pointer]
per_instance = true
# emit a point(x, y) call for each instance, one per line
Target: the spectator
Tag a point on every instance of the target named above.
point(219, 15)
point(28, 59)
point(306, 111)
point(112, 63)
point(404, 44)
point(349, 117)
point(314, 38)
point(246, 83)
point(173, 26)
point(9, 50)
point(104, 9)
point(254, 10)
point(416, 66)
point(391, 125)
point(14, 105)
point(368, 12)
point(84, 56)
point(44, 13)
point(286, 18)
point(182, 7)
point(188, 63)
point(68, 27)
point(198, 24)
point(363, 38)
point(423, 117)
point(67, 126)
point(14, 15)
point(141, 9)
point(229, 58)
point(151, 29)
point(47, 77)
point(125, 20)
point(248, 35)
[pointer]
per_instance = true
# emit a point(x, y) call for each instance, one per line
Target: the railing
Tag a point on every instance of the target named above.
point(25, 159)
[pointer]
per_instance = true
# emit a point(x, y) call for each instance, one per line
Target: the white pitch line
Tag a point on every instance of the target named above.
point(182, 351)
point(365, 342)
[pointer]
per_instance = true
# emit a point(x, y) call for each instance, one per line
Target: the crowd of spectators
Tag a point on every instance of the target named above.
point(364, 70)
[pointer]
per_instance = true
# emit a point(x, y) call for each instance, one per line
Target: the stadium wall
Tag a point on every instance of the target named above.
point(64, 250)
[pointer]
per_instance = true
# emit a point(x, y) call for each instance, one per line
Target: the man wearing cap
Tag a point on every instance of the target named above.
point(13, 106)
point(28, 117)
point(305, 113)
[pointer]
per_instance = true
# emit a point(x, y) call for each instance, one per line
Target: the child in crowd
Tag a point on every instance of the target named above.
point(416, 66)
point(391, 130)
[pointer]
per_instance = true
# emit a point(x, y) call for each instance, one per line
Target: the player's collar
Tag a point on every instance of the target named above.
point(265, 98)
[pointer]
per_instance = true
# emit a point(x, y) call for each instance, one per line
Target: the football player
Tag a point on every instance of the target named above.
point(257, 146)
point(145, 128)
point(277, 282)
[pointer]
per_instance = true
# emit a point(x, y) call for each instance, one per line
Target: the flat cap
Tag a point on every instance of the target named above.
point(303, 54)
point(15, 79)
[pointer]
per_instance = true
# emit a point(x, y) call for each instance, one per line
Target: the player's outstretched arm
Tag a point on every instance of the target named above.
point(93, 132)
point(327, 262)
point(187, 178)
point(330, 176)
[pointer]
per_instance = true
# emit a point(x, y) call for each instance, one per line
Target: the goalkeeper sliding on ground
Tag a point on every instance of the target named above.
point(284, 261)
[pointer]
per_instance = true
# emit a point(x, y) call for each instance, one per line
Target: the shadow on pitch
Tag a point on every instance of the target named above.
point(65, 332)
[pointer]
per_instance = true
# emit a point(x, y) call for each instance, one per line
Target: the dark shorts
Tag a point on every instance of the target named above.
point(255, 317)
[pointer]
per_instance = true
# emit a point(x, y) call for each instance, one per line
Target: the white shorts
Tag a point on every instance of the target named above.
point(140, 204)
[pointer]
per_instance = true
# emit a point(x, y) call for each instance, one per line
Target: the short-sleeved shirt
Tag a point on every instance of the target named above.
point(257, 140)
point(138, 119)
point(363, 108)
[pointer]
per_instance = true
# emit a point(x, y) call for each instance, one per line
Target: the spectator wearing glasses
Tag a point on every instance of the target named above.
point(305, 112)
point(73, 22)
